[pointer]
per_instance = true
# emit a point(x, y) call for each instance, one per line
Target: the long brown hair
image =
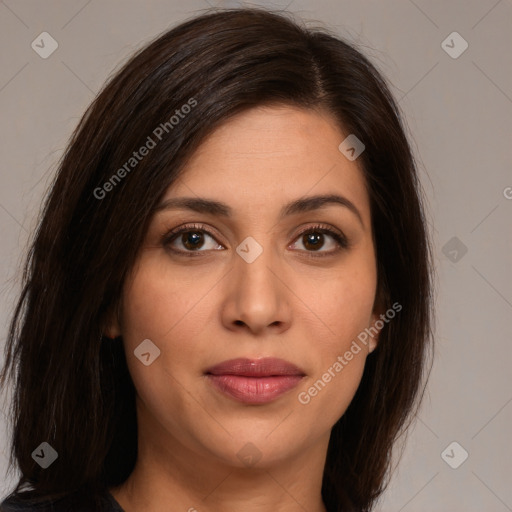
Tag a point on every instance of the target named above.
point(71, 388)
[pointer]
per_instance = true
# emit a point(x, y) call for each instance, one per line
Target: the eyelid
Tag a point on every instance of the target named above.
point(168, 235)
point(339, 237)
point(335, 233)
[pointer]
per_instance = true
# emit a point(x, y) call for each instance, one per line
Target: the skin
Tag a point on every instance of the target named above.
point(205, 310)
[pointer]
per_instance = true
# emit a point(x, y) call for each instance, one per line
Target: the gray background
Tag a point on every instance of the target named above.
point(459, 114)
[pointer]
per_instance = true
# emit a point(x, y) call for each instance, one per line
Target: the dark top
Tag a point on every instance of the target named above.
point(68, 504)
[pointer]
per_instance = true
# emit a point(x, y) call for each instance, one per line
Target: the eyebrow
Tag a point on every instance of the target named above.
point(306, 204)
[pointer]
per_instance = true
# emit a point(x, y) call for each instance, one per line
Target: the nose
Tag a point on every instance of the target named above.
point(257, 298)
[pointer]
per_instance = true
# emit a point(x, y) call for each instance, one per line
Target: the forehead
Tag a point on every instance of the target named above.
point(268, 156)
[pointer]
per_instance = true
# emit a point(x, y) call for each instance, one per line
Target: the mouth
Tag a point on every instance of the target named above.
point(254, 381)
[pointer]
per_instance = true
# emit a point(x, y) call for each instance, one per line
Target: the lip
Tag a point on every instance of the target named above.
point(254, 381)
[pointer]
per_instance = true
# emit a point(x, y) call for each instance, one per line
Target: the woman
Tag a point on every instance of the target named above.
point(227, 304)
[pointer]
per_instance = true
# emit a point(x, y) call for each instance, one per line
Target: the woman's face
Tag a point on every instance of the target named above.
point(245, 283)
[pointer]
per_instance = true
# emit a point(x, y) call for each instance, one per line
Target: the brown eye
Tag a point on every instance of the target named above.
point(192, 239)
point(314, 239)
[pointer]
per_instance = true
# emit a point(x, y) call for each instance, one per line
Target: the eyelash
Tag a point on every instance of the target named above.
point(170, 236)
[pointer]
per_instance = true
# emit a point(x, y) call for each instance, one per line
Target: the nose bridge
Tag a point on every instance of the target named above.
point(258, 294)
point(254, 262)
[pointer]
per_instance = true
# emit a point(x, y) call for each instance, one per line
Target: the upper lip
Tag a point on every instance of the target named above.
point(265, 367)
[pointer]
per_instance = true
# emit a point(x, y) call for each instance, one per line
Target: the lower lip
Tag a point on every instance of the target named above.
point(254, 390)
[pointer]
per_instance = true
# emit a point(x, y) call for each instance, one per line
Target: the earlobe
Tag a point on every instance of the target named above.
point(373, 343)
point(375, 332)
point(112, 328)
point(377, 323)
point(111, 334)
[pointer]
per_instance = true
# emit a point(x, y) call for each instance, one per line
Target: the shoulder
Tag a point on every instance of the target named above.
point(104, 502)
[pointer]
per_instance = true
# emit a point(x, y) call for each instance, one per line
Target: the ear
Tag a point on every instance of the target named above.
point(375, 331)
point(112, 325)
point(377, 321)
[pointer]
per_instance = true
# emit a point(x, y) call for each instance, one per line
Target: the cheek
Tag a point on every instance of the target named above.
point(162, 308)
point(158, 301)
point(340, 362)
point(345, 305)
point(171, 309)
point(328, 396)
